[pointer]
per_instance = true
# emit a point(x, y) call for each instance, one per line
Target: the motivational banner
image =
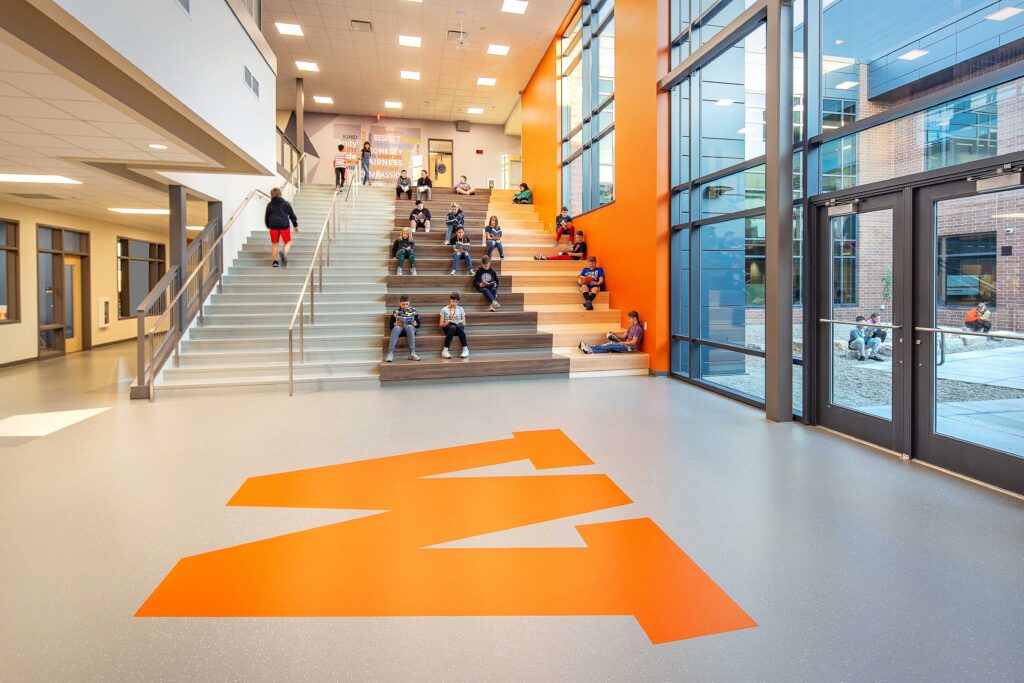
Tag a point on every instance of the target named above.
point(393, 148)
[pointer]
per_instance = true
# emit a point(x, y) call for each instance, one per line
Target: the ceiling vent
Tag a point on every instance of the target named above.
point(462, 126)
point(33, 196)
point(361, 26)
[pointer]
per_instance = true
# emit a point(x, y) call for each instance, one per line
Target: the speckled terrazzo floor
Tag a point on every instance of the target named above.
point(855, 565)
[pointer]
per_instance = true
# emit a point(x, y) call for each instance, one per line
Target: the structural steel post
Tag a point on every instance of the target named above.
point(177, 243)
point(300, 123)
point(779, 214)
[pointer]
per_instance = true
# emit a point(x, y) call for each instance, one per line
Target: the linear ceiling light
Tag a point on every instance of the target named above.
point(500, 50)
point(475, 110)
point(307, 66)
point(912, 55)
point(30, 178)
point(411, 75)
point(514, 6)
point(486, 81)
point(1004, 14)
point(724, 102)
point(392, 105)
point(289, 29)
point(323, 99)
point(157, 145)
point(410, 41)
point(195, 228)
point(847, 85)
point(144, 212)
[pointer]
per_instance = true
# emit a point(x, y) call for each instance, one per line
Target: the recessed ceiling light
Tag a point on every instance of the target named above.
point(29, 178)
point(485, 81)
point(157, 146)
point(475, 110)
point(195, 228)
point(725, 102)
point(409, 41)
point(307, 66)
point(846, 85)
point(392, 105)
point(1004, 14)
point(514, 6)
point(323, 99)
point(500, 50)
point(912, 55)
point(289, 29)
point(411, 75)
point(145, 212)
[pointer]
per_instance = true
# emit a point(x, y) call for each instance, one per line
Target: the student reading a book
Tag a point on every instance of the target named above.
point(405, 320)
point(453, 322)
point(591, 280)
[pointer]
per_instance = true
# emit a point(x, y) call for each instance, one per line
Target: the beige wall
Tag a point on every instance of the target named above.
point(19, 341)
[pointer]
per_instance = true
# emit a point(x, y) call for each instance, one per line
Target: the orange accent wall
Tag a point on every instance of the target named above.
point(630, 237)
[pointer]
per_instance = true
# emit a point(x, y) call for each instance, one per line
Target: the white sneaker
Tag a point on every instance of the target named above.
point(400, 270)
point(390, 358)
point(492, 309)
point(465, 352)
point(413, 356)
point(452, 273)
point(496, 305)
point(445, 354)
point(413, 271)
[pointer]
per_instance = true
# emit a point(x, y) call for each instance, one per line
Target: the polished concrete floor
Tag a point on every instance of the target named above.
point(854, 565)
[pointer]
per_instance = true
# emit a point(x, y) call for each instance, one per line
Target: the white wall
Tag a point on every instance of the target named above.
point(476, 167)
point(198, 58)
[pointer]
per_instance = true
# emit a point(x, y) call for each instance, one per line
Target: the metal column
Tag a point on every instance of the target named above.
point(300, 123)
point(177, 244)
point(779, 214)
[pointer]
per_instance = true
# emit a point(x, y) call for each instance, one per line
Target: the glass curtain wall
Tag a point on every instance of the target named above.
point(587, 84)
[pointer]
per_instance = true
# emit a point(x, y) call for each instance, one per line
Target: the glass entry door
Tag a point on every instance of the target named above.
point(862, 374)
point(969, 332)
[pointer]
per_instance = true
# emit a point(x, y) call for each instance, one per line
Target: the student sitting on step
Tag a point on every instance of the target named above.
point(420, 217)
point(563, 225)
point(524, 196)
point(405, 320)
point(493, 234)
point(404, 248)
point(577, 251)
point(460, 250)
point(865, 346)
point(453, 322)
point(403, 186)
point(453, 221)
point(424, 185)
point(486, 282)
point(591, 280)
point(628, 342)
point(463, 187)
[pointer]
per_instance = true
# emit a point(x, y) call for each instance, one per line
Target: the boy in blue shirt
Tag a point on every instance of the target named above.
point(591, 280)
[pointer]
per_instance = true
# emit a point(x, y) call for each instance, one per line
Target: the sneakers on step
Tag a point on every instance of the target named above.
point(413, 356)
point(445, 353)
point(491, 308)
point(400, 272)
point(452, 273)
point(585, 348)
point(413, 271)
point(465, 352)
point(390, 358)
point(275, 264)
point(496, 305)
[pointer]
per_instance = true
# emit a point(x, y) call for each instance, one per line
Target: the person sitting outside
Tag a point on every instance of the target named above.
point(424, 184)
point(493, 234)
point(563, 225)
point(420, 217)
point(453, 221)
point(876, 332)
point(460, 250)
point(403, 186)
point(405, 320)
point(453, 322)
point(524, 196)
point(577, 251)
point(405, 248)
point(276, 218)
point(340, 167)
point(865, 346)
point(628, 342)
point(486, 282)
point(591, 280)
point(979, 318)
point(463, 186)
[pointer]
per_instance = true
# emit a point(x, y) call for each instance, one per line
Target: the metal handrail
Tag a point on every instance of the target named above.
point(317, 262)
point(968, 333)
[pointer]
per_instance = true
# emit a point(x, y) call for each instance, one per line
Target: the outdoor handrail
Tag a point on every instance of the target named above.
point(968, 333)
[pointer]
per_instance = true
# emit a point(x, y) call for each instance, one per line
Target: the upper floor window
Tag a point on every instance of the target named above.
point(8, 272)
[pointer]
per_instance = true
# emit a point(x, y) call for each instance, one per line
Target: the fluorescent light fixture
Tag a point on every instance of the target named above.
point(912, 55)
point(486, 81)
point(195, 228)
point(323, 99)
point(392, 105)
point(475, 110)
point(411, 75)
point(307, 66)
point(289, 29)
point(1007, 215)
point(410, 41)
point(514, 6)
point(1004, 14)
point(846, 85)
point(29, 178)
point(144, 212)
point(724, 102)
point(157, 145)
point(500, 50)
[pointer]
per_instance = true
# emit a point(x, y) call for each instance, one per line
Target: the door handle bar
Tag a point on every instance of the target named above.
point(862, 322)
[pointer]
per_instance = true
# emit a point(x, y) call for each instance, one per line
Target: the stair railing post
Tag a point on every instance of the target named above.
point(291, 361)
point(302, 344)
point(152, 366)
point(312, 293)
